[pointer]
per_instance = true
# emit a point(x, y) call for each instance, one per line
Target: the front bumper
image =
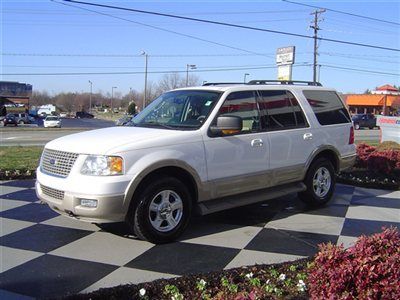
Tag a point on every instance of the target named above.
point(64, 195)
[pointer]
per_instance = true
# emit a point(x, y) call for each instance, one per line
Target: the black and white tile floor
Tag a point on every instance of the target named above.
point(45, 255)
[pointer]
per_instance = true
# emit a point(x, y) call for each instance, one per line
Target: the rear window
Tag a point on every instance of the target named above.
point(328, 107)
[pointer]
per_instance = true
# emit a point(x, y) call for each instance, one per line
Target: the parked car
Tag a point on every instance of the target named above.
point(52, 121)
point(10, 119)
point(364, 120)
point(124, 120)
point(201, 150)
point(21, 118)
point(84, 114)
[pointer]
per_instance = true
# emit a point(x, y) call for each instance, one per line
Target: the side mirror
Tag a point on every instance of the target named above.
point(227, 125)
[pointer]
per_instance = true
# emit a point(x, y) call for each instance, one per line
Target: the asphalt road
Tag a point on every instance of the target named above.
point(36, 135)
point(22, 136)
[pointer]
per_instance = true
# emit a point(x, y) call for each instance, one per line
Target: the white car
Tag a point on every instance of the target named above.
point(52, 121)
point(201, 150)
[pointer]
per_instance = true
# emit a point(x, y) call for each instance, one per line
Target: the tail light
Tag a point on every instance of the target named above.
point(351, 138)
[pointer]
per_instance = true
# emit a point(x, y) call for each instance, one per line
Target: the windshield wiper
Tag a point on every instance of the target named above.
point(155, 124)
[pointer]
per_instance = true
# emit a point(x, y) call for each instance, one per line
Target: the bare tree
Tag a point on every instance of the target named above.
point(40, 98)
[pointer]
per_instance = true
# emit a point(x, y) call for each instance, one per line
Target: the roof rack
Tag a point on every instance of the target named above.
point(220, 83)
point(290, 82)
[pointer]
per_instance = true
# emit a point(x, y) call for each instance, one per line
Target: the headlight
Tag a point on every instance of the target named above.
point(103, 165)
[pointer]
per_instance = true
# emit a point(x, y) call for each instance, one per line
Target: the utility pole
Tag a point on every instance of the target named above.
point(112, 98)
point(90, 97)
point(145, 78)
point(315, 26)
point(191, 67)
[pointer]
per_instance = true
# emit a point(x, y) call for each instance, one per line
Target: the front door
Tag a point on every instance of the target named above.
point(238, 162)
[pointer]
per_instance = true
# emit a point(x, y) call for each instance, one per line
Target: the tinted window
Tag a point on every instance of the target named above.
point(327, 107)
point(298, 112)
point(242, 104)
point(277, 110)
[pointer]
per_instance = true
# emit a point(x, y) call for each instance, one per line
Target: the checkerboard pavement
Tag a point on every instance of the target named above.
point(46, 255)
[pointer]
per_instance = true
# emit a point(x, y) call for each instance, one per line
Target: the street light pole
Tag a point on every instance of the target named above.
point(90, 97)
point(145, 79)
point(112, 98)
point(191, 67)
point(244, 77)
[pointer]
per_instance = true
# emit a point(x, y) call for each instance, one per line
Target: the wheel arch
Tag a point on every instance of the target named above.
point(179, 170)
point(328, 152)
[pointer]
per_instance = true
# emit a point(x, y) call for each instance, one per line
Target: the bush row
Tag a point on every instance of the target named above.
point(368, 270)
point(379, 159)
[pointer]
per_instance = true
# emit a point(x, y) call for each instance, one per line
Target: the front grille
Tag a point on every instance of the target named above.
point(58, 163)
point(53, 193)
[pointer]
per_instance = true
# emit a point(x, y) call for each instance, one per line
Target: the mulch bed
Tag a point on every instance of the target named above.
point(368, 179)
point(188, 288)
point(17, 174)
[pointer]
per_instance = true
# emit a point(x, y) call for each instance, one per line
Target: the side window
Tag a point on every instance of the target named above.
point(328, 107)
point(242, 104)
point(276, 110)
point(298, 112)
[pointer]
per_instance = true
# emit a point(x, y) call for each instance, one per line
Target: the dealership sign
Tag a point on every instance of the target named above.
point(285, 60)
point(390, 128)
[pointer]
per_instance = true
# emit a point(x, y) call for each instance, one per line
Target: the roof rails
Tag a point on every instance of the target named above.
point(290, 82)
point(220, 83)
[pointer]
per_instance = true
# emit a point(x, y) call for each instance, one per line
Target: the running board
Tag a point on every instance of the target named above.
point(211, 206)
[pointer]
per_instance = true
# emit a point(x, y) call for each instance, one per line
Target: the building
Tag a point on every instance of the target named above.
point(384, 100)
point(15, 92)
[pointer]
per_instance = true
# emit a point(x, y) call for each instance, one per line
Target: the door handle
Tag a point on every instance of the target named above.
point(307, 136)
point(257, 143)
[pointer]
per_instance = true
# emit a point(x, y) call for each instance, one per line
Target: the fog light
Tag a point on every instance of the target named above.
point(88, 203)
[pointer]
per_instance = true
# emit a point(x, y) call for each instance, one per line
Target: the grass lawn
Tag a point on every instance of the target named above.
point(368, 142)
point(22, 158)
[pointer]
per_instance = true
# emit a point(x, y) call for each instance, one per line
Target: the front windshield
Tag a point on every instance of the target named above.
point(184, 109)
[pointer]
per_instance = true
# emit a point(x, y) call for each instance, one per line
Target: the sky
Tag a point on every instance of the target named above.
point(60, 46)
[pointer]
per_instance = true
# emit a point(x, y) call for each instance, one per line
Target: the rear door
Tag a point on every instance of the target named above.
point(291, 140)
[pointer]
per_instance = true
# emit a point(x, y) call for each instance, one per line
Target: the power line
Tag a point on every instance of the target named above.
point(344, 13)
point(134, 55)
point(360, 70)
point(231, 25)
point(162, 29)
point(152, 72)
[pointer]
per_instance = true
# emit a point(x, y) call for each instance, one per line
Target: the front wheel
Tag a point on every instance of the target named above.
point(161, 211)
point(356, 126)
point(320, 182)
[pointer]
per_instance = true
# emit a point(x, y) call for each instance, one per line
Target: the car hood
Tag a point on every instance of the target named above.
point(116, 139)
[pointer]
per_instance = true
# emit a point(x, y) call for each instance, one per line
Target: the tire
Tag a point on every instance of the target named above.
point(371, 127)
point(161, 211)
point(356, 126)
point(320, 182)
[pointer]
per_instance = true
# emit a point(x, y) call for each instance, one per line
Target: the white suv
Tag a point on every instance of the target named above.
point(201, 149)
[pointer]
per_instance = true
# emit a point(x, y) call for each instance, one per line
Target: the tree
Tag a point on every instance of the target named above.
point(40, 98)
point(132, 108)
point(367, 91)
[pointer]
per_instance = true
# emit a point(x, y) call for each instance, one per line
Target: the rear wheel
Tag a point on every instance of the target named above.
point(320, 182)
point(161, 211)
